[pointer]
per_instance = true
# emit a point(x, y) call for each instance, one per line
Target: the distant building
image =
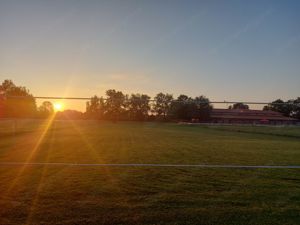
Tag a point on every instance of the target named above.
point(247, 116)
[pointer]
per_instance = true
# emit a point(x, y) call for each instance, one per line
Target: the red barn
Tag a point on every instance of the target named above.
point(247, 116)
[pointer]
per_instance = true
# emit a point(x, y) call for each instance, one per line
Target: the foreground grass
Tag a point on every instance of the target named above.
point(77, 195)
point(285, 131)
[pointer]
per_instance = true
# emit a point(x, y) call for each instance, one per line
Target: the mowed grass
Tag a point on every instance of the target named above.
point(133, 195)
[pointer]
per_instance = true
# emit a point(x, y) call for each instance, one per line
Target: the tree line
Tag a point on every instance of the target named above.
point(291, 108)
point(119, 106)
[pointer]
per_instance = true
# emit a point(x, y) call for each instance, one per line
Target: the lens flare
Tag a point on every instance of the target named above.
point(58, 106)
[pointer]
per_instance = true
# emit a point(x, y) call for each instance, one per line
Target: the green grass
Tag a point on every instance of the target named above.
point(97, 195)
point(287, 131)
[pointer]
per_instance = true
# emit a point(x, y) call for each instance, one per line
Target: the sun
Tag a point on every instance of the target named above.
point(58, 106)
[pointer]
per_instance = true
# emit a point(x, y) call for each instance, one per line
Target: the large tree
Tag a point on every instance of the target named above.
point(289, 108)
point(138, 106)
point(281, 106)
point(162, 104)
point(45, 109)
point(183, 108)
point(115, 104)
point(238, 105)
point(203, 108)
point(187, 108)
point(95, 108)
point(18, 102)
point(296, 108)
point(2, 101)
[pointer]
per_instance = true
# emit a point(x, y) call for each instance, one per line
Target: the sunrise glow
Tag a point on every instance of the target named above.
point(58, 106)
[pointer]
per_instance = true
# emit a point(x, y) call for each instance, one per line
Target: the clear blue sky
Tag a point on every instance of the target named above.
point(226, 50)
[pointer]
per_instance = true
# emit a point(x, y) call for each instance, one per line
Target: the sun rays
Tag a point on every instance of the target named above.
point(47, 133)
point(42, 178)
point(90, 149)
point(47, 124)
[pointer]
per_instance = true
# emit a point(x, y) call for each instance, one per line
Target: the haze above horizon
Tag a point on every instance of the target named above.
point(225, 50)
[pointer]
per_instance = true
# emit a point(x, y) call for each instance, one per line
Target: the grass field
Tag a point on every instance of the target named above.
point(145, 195)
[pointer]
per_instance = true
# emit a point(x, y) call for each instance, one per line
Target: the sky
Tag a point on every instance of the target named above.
point(225, 50)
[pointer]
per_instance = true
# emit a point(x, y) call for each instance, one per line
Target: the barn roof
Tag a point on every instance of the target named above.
point(248, 114)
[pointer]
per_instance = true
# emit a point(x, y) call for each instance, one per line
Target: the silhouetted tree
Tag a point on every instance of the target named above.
point(138, 106)
point(46, 109)
point(187, 108)
point(203, 108)
point(95, 108)
point(162, 104)
point(114, 104)
point(280, 106)
point(2, 102)
point(289, 108)
point(296, 108)
point(238, 105)
point(22, 105)
point(183, 108)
